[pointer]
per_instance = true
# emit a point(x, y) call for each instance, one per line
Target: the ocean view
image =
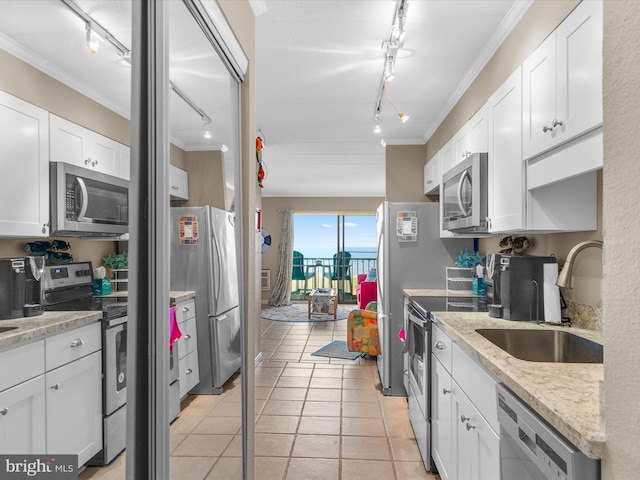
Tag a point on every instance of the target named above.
point(317, 252)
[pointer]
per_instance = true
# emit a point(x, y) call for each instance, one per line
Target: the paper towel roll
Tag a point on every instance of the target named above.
point(551, 293)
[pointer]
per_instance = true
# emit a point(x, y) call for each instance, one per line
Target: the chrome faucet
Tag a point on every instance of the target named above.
point(565, 279)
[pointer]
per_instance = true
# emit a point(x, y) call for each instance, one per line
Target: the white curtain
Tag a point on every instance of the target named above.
point(281, 293)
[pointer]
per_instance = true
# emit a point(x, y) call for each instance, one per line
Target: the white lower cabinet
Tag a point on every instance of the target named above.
point(476, 447)
point(74, 408)
point(51, 395)
point(22, 418)
point(441, 418)
point(464, 446)
point(189, 371)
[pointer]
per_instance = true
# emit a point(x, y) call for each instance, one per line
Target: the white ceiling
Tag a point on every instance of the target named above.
point(318, 71)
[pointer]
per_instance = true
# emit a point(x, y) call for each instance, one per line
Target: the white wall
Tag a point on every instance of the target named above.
point(621, 224)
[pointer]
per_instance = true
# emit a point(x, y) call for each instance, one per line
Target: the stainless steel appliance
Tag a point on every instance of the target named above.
point(410, 254)
point(418, 372)
point(21, 292)
point(530, 449)
point(524, 282)
point(87, 203)
point(203, 259)
point(418, 321)
point(464, 195)
point(68, 288)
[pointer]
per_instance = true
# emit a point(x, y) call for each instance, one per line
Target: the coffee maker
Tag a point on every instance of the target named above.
point(517, 283)
point(21, 293)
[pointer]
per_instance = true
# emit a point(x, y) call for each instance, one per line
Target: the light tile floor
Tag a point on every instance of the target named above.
point(316, 418)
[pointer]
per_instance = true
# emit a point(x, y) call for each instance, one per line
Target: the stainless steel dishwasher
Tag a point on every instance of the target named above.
point(530, 449)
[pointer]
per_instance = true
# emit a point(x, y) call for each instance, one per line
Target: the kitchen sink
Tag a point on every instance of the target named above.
point(544, 345)
point(7, 329)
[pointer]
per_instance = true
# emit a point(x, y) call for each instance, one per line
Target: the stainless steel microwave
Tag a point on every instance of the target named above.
point(464, 196)
point(87, 203)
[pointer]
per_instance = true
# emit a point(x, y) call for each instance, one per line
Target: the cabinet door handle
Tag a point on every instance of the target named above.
point(4, 411)
point(463, 418)
point(546, 129)
point(189, 371)
point(469, 426)
point(77, 342)
point(94, 163)
point(445, 391)
point(185, 309)
point(556, 123)
point(187, 337)
point(87, 161)
point(439, 345)
point(405, 372)
point(55, 386)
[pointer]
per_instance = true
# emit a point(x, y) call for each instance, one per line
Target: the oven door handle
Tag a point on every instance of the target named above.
point(465, 175)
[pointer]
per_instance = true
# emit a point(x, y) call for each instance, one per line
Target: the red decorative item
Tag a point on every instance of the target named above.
point(259, 148)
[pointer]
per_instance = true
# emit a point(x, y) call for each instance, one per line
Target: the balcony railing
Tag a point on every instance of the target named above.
point(320, 273)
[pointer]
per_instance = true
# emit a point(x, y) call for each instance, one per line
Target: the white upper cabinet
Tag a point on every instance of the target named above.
point(74, 144)
point(462, 144)
point(125, 162)
point(472, 137)
point(478, 130)
point(24, 169)
point(432, 176)
point(447, 160)
point(562, 82)
point(178, 183)
point(506, 182)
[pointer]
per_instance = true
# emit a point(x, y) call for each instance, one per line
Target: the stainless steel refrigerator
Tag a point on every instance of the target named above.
point(410, 254)
point(203, 259)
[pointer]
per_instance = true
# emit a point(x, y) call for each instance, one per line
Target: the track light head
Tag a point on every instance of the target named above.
point(93, 39)
point(403, 117)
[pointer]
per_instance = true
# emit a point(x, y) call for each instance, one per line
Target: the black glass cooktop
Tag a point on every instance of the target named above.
point(111, 307)
point(427, 305)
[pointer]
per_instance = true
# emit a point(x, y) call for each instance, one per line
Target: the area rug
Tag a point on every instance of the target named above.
point(337, 349)
point(298, 313)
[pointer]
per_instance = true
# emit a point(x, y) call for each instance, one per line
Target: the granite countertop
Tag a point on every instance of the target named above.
point(175, 296)
point(416, 292)
point(40, 326)
point(567, 395)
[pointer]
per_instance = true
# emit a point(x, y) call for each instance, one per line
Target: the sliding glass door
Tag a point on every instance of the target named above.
point(330, 251)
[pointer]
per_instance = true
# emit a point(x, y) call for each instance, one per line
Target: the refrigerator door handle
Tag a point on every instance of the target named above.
point(210, 260)
point(217, 270)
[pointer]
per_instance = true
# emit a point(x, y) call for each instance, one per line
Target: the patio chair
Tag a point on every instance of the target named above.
point(298, 272)
point(341, 270)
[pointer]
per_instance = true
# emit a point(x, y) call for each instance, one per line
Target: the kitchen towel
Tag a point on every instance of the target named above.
point(551, 293)
point(174, 329)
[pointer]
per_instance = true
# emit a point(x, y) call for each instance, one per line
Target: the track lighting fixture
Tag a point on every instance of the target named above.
point(383, 143)
point(224, 148)
point(403, 116)
point(96, 33)
point(378, 124)
point(93, 39)
point(391, 47)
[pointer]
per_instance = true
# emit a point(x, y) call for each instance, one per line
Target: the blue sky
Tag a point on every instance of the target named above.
point(319, 231)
